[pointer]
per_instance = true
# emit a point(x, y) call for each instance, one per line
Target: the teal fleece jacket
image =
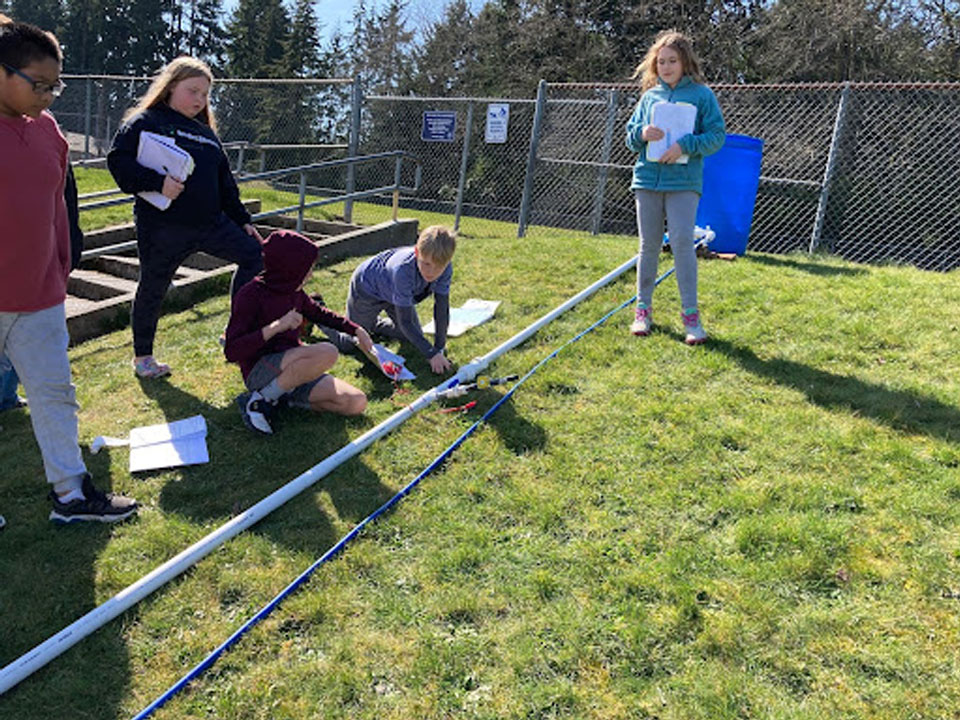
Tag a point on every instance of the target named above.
point(708, 136)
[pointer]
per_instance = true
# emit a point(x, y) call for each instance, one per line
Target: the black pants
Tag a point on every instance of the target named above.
point(163, 249)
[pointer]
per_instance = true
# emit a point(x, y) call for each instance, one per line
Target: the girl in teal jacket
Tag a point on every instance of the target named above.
point(668, 188)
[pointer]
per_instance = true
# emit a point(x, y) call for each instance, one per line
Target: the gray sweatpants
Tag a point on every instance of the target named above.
point(36, 343)
point(679, 209)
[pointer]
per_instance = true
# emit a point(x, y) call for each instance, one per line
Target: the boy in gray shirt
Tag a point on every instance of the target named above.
point(395, 281)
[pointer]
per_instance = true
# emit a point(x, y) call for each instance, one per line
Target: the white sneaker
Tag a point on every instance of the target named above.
point(696, 335)
point(642, 321)
point(254, 410)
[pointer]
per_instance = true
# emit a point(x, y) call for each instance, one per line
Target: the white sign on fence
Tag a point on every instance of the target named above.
point(498, 117)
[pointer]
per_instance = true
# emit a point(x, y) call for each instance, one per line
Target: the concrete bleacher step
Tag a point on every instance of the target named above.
point(100, 292)
point(96, 285)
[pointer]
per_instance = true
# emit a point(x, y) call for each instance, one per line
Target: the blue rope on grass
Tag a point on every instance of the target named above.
point(208, 661)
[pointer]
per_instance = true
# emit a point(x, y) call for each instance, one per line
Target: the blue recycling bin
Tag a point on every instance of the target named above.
point(730, 180)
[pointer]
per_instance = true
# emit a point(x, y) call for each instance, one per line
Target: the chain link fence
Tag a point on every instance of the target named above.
point(473, 151)
point(866, 171)
point(265, 124)
point(869, 171)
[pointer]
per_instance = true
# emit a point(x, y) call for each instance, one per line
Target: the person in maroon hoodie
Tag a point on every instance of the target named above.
point(263, 337)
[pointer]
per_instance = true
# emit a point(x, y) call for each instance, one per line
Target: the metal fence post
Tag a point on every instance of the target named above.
point(303, 199)
point(240, 158)
point(396, 187)
point(463, 166)
point(353, 149)
point(88, 106)
point(612, 97)
point(532, 159)
point(831, 164)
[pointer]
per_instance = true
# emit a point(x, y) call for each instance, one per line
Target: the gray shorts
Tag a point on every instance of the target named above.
point(268, 368)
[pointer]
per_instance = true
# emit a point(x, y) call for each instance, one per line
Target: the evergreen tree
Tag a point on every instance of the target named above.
point(46, 14)
point(195, 30)
point(381, 48)
point(446, 59)
point(940, 23)
point(837, 40)
point(257, 33)
point(81, 36)
point(301, 52)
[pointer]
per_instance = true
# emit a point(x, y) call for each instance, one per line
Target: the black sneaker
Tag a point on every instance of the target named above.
point(96, 506)
point(255, 411)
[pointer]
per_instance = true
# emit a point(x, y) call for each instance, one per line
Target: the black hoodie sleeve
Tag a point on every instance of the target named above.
point(73, 217)
point(131, 176)
point(230, 194)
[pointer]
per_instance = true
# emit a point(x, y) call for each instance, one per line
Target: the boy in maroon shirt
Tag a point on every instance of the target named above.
point(34, 265)
point(263, 337)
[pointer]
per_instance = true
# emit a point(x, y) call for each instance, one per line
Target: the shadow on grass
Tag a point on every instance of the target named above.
point(245, 468)
point(806, 265)
point(901, 410)
point(48, 580)
point(174, 402)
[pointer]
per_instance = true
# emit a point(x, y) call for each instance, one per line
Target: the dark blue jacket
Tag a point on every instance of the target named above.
point(208, 191)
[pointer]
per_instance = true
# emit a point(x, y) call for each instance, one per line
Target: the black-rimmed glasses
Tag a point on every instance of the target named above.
point(40, 88)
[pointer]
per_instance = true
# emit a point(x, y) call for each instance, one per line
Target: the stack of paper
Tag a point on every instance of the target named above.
point(676, 120)
point(183, 442)
point(470, 314)
point(162, 154)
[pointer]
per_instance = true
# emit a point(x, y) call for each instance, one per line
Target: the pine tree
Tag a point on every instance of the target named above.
point(46, 14)
point(446, 59)
point(301, 52)
point(381, 48)
point(256, 32)
point(195, 30)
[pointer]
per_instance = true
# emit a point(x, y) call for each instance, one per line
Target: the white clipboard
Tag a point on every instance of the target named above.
point(676, 120)
point(162, 154)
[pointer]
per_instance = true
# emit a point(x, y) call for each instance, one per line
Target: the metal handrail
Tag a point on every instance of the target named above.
point(398, 155)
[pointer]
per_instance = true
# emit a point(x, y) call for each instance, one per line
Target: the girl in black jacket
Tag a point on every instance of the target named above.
point(205, 213)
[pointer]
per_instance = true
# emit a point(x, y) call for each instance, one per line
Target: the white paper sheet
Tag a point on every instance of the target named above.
point(676, 120)
point(182, 442)
point(472, 313)
point(384, 356)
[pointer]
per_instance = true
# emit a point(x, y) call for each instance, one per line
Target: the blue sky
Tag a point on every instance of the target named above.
point(332, 13)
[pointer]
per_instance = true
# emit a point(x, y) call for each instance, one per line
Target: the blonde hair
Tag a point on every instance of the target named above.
point(437, 242)
point(677, 41)
point(183, 68)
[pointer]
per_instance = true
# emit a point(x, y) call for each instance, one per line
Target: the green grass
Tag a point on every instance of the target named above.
point(766, 526)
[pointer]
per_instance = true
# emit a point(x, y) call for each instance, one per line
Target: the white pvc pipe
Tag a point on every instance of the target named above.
point(477, 365)
point(33, 660)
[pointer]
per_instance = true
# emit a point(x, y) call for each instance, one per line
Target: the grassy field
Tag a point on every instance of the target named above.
point(762, 527)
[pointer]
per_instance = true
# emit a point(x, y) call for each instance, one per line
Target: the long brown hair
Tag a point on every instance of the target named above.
point(675, 40)
point(183, 68)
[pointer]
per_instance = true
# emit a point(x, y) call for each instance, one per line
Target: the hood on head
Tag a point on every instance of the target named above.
point(287, 258)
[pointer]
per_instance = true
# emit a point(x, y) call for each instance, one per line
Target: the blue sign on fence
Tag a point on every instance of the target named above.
point(438, 126)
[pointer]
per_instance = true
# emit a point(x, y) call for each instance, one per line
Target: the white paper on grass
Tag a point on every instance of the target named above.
point(162, 154)
point(383, 356)
point(183, 442)
point(472, 313)
point(676, 120)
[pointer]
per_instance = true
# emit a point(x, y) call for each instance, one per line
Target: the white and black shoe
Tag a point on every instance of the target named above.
point(95, 506)
point(255, 411)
